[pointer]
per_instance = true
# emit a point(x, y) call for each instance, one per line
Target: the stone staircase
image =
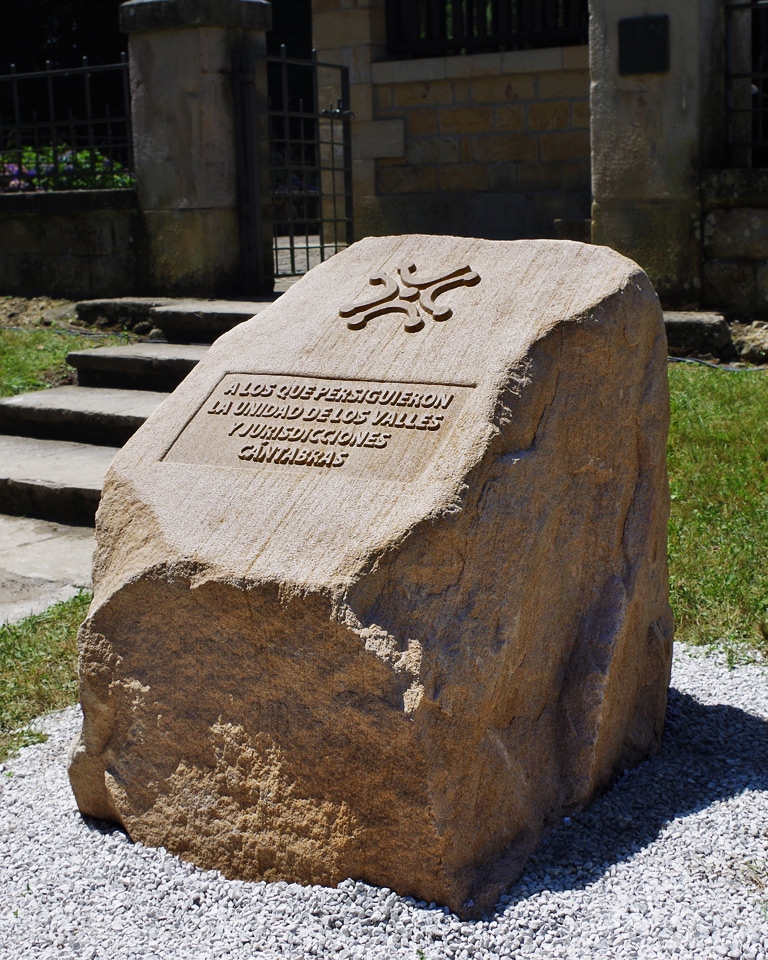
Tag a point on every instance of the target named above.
point(56, 445)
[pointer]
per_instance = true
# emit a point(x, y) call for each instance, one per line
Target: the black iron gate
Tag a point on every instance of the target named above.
point(310, 161)
point(747, 82)
point(306, 173)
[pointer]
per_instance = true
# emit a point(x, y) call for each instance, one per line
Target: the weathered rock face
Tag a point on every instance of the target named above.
point(381, 593)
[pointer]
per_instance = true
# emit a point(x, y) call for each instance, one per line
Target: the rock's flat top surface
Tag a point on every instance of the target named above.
point(302, 338)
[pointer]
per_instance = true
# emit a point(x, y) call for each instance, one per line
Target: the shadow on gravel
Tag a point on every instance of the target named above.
point(708, 753)
point(105, 828)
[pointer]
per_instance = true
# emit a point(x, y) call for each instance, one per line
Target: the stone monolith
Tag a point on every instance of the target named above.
point(381, 589)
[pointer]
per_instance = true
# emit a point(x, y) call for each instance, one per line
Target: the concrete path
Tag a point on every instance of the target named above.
point(41, 563)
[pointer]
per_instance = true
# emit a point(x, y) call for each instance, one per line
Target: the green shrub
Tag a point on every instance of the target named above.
point(46, 169)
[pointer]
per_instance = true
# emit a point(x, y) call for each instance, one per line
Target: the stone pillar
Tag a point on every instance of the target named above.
point(184, 137)
point(652, 133)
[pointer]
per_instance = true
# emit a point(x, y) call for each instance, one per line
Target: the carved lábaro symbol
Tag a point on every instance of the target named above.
point(407, 295)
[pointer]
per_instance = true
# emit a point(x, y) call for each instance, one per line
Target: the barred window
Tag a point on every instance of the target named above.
point(433, 28)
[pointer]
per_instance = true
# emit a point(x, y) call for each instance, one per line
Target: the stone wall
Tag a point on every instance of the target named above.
point(489, 145)
point(735, 240)
point(78, 244)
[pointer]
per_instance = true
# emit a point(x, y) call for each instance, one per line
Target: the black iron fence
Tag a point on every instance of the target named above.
point(65, 129)
point(432, 28)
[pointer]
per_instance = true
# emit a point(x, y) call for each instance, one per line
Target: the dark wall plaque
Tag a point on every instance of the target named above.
point(643, 45)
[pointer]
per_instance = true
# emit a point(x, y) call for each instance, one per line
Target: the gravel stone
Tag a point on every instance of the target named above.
point(672, 862)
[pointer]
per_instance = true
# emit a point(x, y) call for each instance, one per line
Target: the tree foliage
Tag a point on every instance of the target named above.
point(65, 31)
point(62, 31)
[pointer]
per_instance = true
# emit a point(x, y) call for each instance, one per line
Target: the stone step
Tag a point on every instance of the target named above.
point(203, 321)
point(52, 479)
point(118, 311)
point(696, 332)
point(182, 321)
point(95, 415)
point(142, 366)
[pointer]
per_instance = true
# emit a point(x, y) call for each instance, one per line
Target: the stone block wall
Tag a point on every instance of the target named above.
point(735, 240)
point(77, 245)
point(495, 145)
point(490, 145)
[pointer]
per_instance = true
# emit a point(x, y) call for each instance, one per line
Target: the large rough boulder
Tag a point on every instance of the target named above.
point(381, 590)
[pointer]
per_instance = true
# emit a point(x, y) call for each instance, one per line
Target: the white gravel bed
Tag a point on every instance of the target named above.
point(673, 862)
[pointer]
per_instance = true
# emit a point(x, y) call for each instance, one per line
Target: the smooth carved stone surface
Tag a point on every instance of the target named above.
point(386, 604)
point(315, 422)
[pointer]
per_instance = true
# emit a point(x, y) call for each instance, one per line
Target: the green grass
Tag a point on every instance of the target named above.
point(38, 656)
point(718, 533)
point(38, 669)
point(36, 358)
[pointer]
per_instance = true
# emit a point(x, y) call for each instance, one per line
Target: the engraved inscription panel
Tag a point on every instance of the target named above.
point(314, 424)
